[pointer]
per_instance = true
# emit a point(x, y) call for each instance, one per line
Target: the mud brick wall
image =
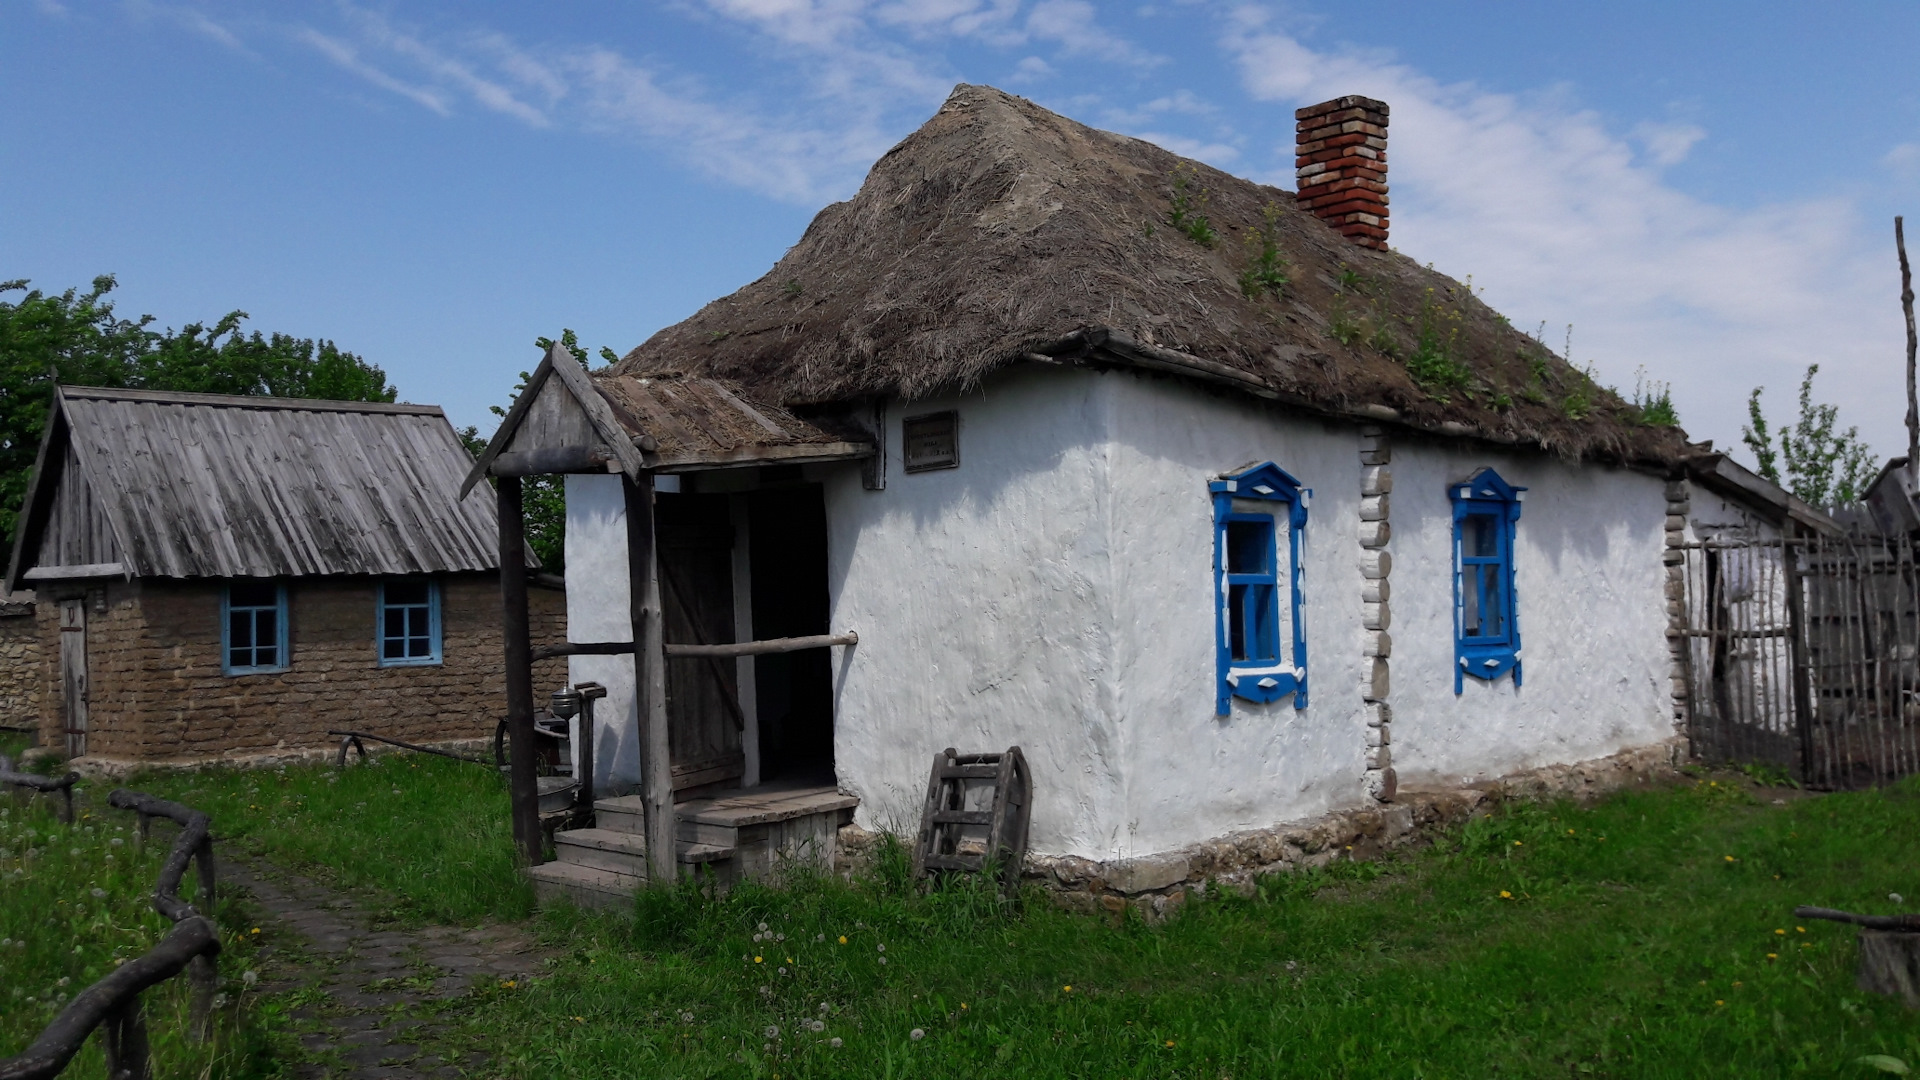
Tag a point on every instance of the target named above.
point(158, 693)
point(21, 678)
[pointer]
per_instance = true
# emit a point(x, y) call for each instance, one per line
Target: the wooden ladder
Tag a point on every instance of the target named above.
point(946, 818)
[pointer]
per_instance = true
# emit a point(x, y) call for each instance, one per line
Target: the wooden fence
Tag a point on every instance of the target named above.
point(1800, 653)
point(112, 1005)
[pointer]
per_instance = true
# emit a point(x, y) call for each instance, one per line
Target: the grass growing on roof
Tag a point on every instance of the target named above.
point(1649, 935)
point(430, 833)
point(75, 901)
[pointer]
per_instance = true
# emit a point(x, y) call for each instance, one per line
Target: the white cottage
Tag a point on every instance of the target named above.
point(1225, 514)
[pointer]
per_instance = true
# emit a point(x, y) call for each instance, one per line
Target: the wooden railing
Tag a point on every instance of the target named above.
point(46, 785)
point(113, 1004)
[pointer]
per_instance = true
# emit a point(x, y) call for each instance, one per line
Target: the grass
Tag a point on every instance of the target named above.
point(1647, 935)
point(76, 900)
point(430, 834)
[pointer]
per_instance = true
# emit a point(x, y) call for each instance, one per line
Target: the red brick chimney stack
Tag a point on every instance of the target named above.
point(1341, 161)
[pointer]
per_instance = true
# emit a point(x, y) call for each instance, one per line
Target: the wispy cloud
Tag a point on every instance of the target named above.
point(1562, 218)
point(347, 56)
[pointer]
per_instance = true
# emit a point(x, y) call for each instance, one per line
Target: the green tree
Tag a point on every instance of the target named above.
point(543, 499)
point(1820, 464)
point(74, 338)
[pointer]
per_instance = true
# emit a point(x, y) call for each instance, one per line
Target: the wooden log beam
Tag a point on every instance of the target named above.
point(762, 648)
point(650, 680)
point(552, 459)
point(583, 648)
point(517, 640)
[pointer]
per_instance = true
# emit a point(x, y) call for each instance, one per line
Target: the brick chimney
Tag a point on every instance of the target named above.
point(1341, 161)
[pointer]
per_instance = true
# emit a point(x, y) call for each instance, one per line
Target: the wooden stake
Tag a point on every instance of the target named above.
point(516, 638)
point(650, 680)
point(1906, 305)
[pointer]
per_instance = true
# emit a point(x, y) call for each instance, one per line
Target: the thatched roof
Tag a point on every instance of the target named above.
point(1001, 233)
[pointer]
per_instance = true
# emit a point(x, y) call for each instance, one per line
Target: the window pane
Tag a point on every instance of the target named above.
point(1482, 535)
point(240, 631)
point(266, 634)
point(407, 592)
point(1261, 643)
point(417, 622)
point(1237, 621)
point(393, 648)
point(1493, 587)
point(253, 594)
point(1470, 602)
point(266, 656)
point(418, 648)
point(1249, 547)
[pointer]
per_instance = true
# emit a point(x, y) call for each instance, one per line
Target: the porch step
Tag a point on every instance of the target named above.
point(625, 853)
point(583, 885)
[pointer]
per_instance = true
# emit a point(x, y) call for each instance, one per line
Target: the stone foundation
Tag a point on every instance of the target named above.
point(1156, 885)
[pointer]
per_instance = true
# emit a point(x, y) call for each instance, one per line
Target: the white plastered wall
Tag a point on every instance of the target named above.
point(597, 610)
point(1589, 588)
point(1056, 591)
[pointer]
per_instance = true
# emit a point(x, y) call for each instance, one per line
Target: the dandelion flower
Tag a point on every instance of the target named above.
point(1066, 989)
point(1730, 858)
point(1773, 956)
point(883, 948)
point(756, 960)
point(249, 977)
point(843, 939)
point(579, 1019)
point(1719, 1002)
point(1780, 931)
point(916, 1034)
point(762, 928)
point(1896, 898)
point(834, 1042)
point(1505, 895)
point(1169, 1044)
point(817, 1026)
point(780, 971)
point(255, 930)
point(99, 893)
point(1802, 929)
point(1737, 984)
point(772, 1032)
point(963, 1005)
point(686, 1017)
point(883, 960)
point(1516, 843)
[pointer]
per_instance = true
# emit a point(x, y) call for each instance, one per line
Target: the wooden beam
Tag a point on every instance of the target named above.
point(81, 570)
point(761, 648)
point(650, 680)
point(518, 643)
point(511, 422)
point(549, 460)
point(798, 454)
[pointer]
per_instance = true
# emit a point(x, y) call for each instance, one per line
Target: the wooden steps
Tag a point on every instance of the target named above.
point(736, 835)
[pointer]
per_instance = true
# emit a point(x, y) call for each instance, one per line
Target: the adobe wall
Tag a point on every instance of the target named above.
point(20, 676)
point(158, 693)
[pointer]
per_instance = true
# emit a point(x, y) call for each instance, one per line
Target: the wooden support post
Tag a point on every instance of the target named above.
point(650, 680)
point(516, 637)
point(1798, 640)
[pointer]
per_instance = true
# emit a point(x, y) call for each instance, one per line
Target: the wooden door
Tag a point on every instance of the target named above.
point(704, 719)
point(73, 674)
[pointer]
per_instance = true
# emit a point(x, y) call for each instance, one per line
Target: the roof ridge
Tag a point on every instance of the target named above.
point(245, 401)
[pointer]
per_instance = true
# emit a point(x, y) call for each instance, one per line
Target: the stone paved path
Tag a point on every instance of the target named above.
point(361, 988)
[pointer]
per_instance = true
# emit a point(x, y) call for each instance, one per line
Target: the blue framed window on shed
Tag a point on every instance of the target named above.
point(409, 623)
point(1260, 641)
point(1486, 620)
point(253, 627)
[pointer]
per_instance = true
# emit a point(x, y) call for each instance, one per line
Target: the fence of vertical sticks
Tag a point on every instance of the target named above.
point(1803, 653)
point(112, 1005)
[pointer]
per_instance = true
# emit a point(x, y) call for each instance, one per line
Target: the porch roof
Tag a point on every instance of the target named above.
point(569, 420)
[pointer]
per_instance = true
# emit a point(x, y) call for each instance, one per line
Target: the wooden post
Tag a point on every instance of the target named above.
point(1798, 641)
point(650, 680)
point(1913, 340)
point(515, 636)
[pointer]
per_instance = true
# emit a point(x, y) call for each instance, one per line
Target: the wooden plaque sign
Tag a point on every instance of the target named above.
point(931, 441)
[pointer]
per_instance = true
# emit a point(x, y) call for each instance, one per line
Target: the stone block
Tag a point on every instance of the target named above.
point(1376, 480)
point(1146, 874)
point(1377, 713)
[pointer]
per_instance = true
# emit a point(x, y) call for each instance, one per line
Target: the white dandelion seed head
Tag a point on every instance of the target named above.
point(116, 841)
point(781, 971)
point(762, 928)
point(61, 981)
point(249, 977)
point(773, 1032)
point(98, 893)
point(916, 1034)
point(823, 1006)
point(883, 948)
point(883, 960)
point(1896, 898)
point(818, 1026)
point(834, 1042)
point(686, 1017)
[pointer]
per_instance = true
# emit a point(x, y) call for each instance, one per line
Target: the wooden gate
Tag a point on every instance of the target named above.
point(73, 674)
point(1801, 654)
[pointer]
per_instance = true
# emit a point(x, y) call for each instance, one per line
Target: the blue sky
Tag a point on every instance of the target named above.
point(1702, 190)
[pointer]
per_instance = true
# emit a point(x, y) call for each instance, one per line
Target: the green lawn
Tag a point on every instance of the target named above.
point(1648, 935)
point(426, 832)
point(76, 899)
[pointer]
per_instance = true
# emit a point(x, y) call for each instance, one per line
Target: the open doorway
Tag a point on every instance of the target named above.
point(793, 691)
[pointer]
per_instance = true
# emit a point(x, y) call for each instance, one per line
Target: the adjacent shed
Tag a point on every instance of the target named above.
point(230, 577)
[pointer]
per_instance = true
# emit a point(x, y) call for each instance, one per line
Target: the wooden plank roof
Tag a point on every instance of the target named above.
point(206, 485)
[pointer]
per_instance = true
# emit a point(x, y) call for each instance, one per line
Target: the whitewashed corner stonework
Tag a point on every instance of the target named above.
point(1376, 566)
point(1679, 508)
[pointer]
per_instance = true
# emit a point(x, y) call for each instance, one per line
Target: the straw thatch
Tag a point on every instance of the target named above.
point(1001, 233)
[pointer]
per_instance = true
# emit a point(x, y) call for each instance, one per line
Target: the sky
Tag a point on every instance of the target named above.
point(1704, 192)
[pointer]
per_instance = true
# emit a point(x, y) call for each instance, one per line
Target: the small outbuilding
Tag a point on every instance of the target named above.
point(226, 578)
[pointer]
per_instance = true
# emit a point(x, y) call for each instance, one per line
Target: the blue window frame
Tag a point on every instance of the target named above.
point(1486, 623)
point(409, 622)
point(253, 627)
point(1260, 640)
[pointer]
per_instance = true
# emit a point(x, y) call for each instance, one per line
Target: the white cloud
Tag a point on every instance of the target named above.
point(1668, 144)
point(1031, 69)
point(347, 56)
point(1558, 218)
point(1217, 154)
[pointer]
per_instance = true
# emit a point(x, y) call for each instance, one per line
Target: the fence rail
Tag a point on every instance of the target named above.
point(112, 1005)
point(1804, 653)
